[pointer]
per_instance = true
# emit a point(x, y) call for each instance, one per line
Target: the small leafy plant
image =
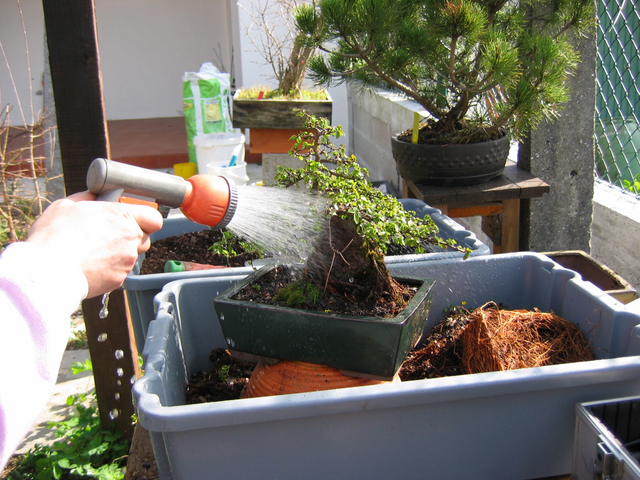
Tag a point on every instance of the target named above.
point(348, 256)
point(83, 450)
point(633, 187)
point(230, 245)
point(380, 218)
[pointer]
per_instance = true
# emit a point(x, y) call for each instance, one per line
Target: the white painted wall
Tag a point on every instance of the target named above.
point(376, 116)
point(147, 45)
point(21, 31)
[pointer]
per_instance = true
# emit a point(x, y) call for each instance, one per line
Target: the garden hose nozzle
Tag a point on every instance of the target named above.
point(205, 199)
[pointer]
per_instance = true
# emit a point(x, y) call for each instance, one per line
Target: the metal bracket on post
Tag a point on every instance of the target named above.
point(608, 466)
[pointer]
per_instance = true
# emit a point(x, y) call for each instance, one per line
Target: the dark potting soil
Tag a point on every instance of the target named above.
point(345, 302)
point(228, 376)
point(196, 247)
point(431, 133)
point(193, 247)
point(438, 355)
point(225, 381)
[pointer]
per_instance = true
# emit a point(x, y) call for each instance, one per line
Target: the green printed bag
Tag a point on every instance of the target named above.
point(207, 103)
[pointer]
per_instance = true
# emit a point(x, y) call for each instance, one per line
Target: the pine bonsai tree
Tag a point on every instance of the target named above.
point(477, 66)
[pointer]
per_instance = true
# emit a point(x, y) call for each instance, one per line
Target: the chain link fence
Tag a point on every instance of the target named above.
point(618, 94)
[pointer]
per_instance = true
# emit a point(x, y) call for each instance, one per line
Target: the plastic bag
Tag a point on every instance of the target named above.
point(206, 103)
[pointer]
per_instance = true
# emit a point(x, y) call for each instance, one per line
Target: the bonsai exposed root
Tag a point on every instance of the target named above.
point(343, 262)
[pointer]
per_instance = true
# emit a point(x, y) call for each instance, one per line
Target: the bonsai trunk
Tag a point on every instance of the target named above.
point(342, 262)
point(293, 75)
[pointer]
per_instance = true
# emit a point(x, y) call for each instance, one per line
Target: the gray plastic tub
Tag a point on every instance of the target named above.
point(140, 289)
point(504, 425)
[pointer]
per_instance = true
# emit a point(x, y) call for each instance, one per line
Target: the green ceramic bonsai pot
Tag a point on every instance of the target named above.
point(365, 346)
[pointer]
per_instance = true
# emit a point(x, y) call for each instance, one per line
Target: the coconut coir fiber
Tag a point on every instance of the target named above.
point(497, 340)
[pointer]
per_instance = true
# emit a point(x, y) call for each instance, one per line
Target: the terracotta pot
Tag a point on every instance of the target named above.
point(298, 377)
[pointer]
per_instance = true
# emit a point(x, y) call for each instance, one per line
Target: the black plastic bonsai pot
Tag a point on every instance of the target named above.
point(466, 164)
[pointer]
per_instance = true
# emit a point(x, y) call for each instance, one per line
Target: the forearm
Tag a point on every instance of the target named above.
point(37, 296)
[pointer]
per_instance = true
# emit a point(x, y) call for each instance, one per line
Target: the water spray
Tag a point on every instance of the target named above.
point(283, 222)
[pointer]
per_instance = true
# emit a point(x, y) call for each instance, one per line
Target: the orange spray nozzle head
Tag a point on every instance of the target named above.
point(210, 200)
point(205, 199)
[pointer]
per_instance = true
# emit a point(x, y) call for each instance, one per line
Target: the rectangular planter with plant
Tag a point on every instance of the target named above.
point(422, 232)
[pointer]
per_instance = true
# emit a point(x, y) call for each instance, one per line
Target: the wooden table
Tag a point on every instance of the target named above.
point(496, 201)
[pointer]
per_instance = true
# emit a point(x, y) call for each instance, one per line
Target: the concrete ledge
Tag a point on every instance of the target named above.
point(376, 115)
point(615, 232)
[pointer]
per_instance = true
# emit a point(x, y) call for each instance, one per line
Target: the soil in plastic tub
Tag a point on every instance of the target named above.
point(441, 354)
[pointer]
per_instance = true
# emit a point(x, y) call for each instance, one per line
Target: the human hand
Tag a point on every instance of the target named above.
point(103, 238)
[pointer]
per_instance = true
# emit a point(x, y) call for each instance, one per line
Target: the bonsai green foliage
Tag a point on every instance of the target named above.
point(298, 294)
point(469, 63)
point(380, 218)
point(83, 450)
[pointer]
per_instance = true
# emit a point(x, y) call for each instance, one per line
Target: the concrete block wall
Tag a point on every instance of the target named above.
point(374, 117)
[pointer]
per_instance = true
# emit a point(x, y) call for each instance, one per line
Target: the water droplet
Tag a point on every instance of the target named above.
point(119, 354)
point(230, 342)
point(351, 280)
point(102, 337)
point(117, 396)
point(221, 316)
point(104, 311)
point(113, 414)
point(133, 379)
point(119, 383)
point(119, 372)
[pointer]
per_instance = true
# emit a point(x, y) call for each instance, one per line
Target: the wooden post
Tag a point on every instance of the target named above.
point(82, 129)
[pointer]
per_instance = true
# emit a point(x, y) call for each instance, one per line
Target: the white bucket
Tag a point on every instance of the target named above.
point(237, 173)
point(218, 148)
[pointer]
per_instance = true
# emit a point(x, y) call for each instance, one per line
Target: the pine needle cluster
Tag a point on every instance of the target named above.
point(469, 63)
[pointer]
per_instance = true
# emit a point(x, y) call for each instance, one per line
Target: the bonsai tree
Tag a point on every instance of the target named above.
point(477, 66)
point(274, 36)
point(348, 257)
